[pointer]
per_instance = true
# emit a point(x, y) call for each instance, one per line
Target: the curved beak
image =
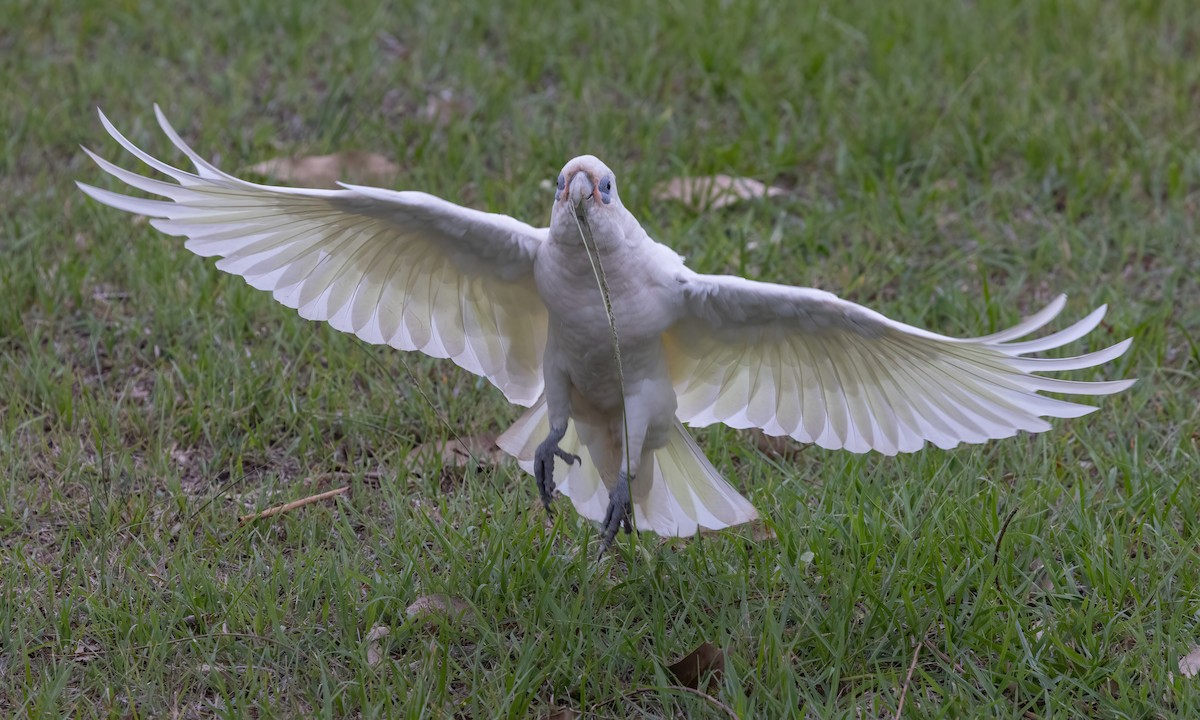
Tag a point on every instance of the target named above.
point(580, 188)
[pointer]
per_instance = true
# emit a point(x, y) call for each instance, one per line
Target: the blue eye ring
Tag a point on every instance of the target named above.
point(562, 185)
point(605, 188)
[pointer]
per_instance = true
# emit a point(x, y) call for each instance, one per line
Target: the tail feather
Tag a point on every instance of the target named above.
point(683, 462)
point(677, 492)
point(581, 482)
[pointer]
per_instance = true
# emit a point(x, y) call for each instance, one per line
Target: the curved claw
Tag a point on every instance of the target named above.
point(543, 466)
point(618, 515)
point(570, 458)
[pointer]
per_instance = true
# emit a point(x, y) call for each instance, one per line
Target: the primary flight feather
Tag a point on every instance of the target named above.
point(523, 307)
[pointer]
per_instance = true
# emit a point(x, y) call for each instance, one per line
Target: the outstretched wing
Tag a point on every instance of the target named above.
point(404, 269)
point(804, 363)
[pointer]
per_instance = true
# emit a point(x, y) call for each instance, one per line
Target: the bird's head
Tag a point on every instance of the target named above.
point(586, 183)
point(586, 192)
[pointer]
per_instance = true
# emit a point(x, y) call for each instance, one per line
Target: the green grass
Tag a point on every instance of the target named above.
point(951, 164)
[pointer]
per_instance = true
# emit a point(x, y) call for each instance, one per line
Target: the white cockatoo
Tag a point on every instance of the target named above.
point(539, 312)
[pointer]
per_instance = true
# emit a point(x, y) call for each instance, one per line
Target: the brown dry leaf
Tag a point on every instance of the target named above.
point(443, 106)
point(1189, 665)
point(1041, 576)
point(1039, 631)
point(392, 46)
point(374, 651)
point(706, 659)
point(710, 192)
point(564, 714)
point(327, 170)
point(86, 651)
point(460, 451)
point(777, 446)
point(756, 530)
point(761, 532)
point(430, 605)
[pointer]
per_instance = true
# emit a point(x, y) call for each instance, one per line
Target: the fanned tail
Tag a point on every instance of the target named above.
point(685, 493)
point(678, 492)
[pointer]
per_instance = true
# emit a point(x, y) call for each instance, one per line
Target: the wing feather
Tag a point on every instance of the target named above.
point(804, 363)
point(402, 268)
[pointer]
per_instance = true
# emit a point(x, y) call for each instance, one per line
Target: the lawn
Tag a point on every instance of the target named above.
point(951, 164)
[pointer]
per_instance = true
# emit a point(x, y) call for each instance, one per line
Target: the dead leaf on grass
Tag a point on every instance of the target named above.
point(1041, 576)
point(777, 446)
point(374, 648)
point(327, 170)
point(428, 606)
point(708, 659)
point(392, 46)
point(460, 451)
point(564, 714)
point(1038, 630)
point(710, 192)
point(756, 530)
point(1189, 665)
point(86, 651)
point(445, 105)
point(761, 532)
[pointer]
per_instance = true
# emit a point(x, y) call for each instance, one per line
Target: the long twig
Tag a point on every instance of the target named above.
point(279, 509)
point(907, 679)
point(949, 661)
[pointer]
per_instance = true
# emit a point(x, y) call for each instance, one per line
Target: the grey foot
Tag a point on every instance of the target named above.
point(543, 464)
point(618, 515)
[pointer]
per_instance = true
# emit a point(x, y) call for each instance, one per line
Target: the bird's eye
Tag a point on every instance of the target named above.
point(606, 186)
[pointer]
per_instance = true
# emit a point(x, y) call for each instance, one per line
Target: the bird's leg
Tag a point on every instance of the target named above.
point(543, 463)
point(619, 512)
point(632, 433)
point(558, 406)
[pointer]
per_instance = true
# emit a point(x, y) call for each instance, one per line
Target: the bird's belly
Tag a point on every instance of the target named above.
point(597, 378)
point(580, 338)
point(582, 346)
